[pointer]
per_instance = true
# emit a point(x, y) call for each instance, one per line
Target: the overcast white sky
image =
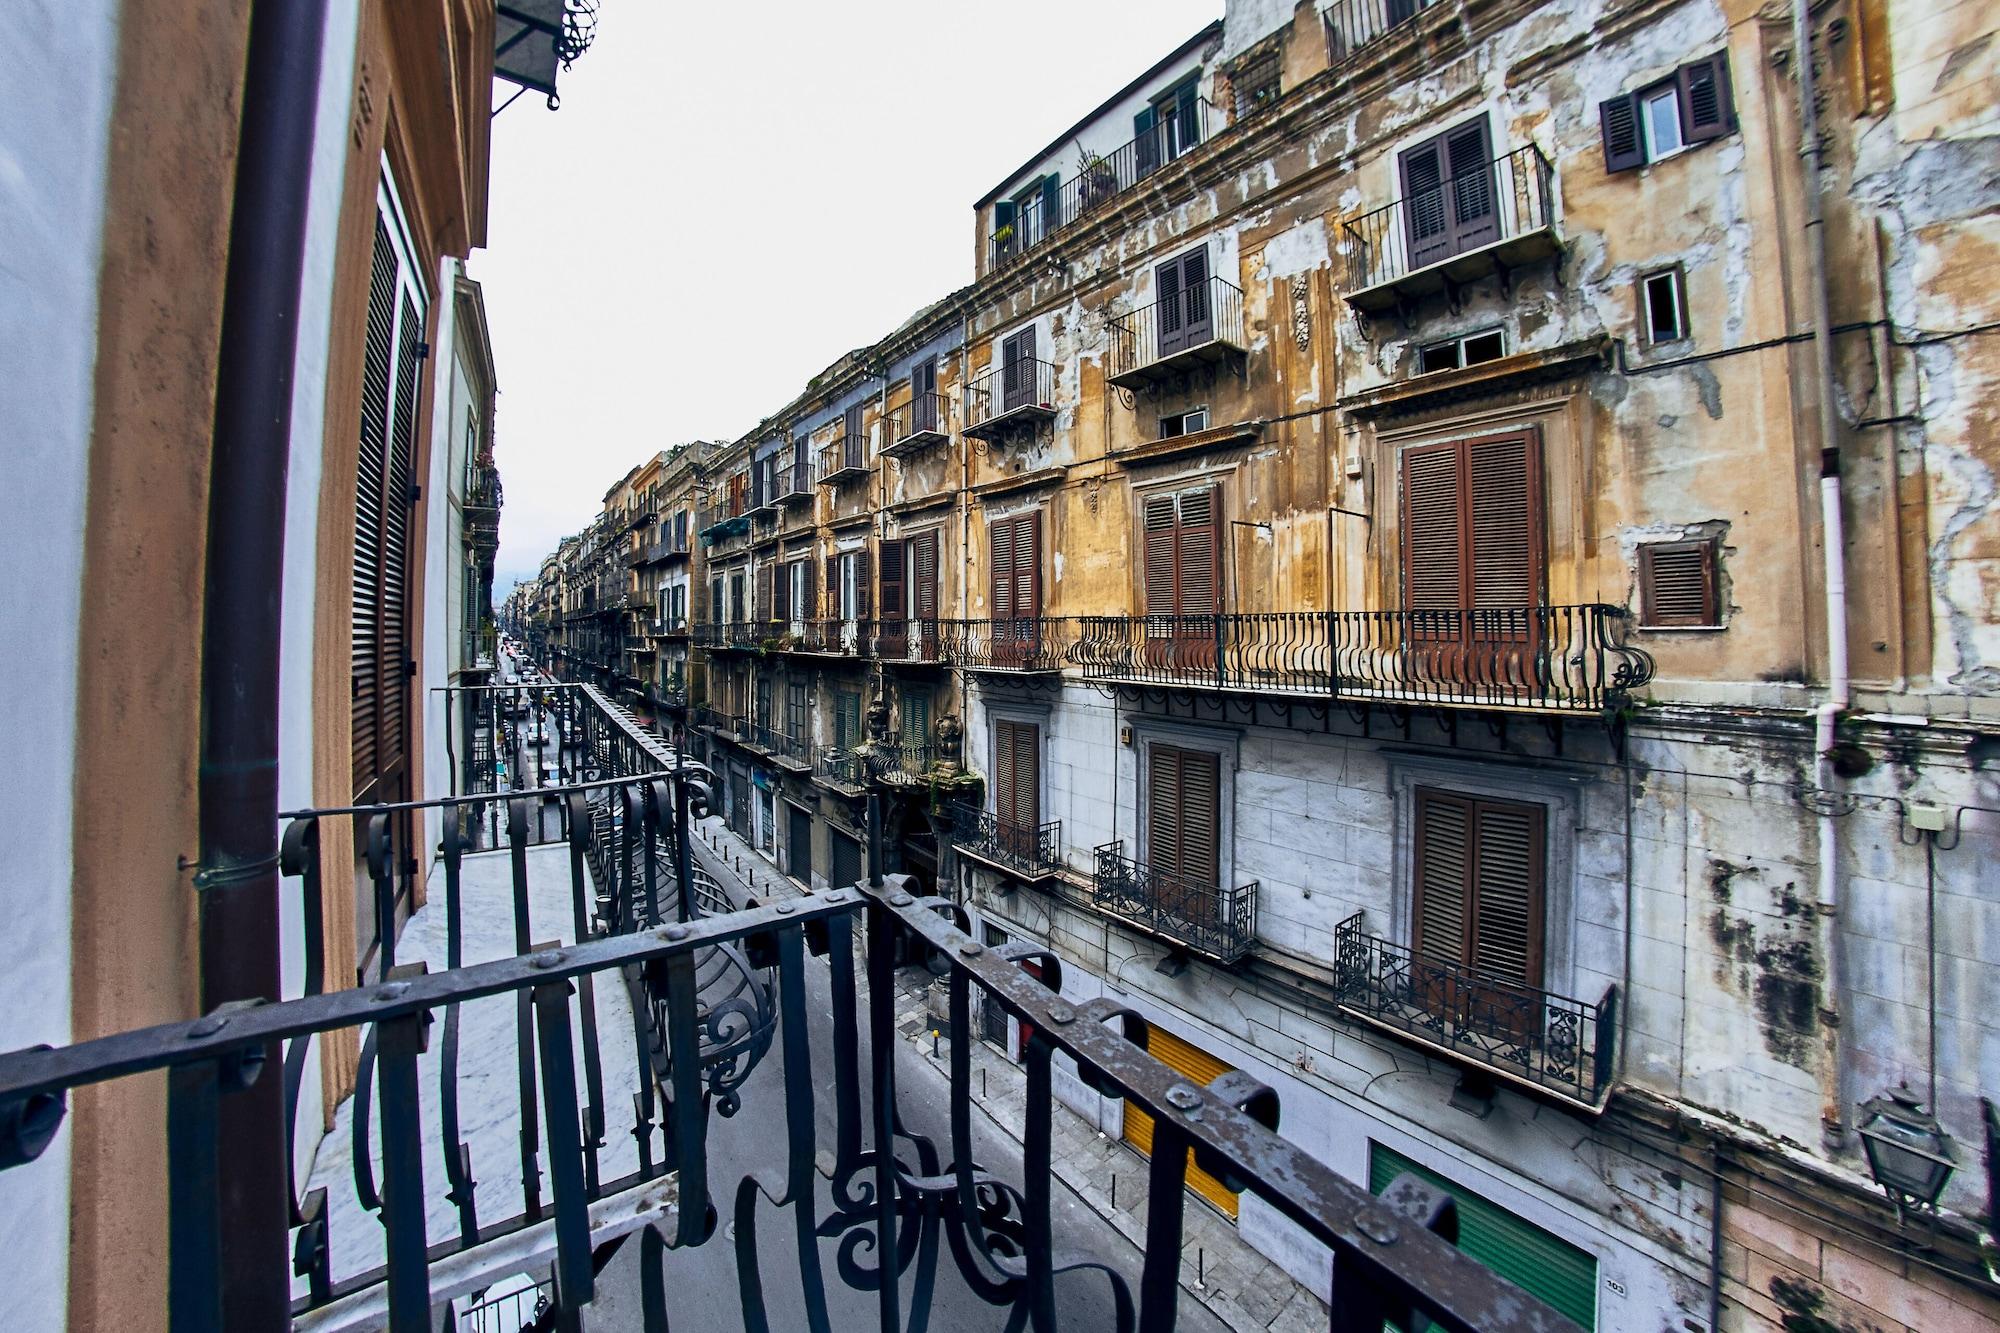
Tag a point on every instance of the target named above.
point(733, 195)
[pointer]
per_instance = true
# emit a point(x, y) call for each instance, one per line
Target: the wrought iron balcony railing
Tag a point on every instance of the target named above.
point(1542, 658)
point(728, 726)
point(826, 636)
point(1354, 24)
point(910, 641)
point(1562, 1045)
point(1010, 396)
point(795, 483)
point(733, 635)
point(1189, 326)
point(922, 422)
point(845, 459)
point(794, 751)
point(1498, 215)
point(1030, 853)
point(1206, 918)
point(1019, 645)
point(1099, 180)
point(638, 643)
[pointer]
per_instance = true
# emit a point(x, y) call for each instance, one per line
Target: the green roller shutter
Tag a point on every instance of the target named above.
point(1545, 1266)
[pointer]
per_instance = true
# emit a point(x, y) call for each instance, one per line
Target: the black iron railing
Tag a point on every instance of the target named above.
point(795, 483)
point(827, 636)
point(843, 767)
point(1202, 321)
point(1017, 644)
point(778, 743)
point(638, 643)
point(739, 635)
point(923, 421)
point(845, 458)
point(1562, 1044)
point(1496, 201)
point(1546, 658)
point(916, 640)
point(1100, 179)
point(1032, 852)
point(1354, 24)
point(1219, 923)
point(1009, 395)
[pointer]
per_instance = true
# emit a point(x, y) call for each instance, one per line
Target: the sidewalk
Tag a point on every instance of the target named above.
point(1239, 1286)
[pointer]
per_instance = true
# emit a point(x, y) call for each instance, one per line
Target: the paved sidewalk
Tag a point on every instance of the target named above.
point(1235, 1283)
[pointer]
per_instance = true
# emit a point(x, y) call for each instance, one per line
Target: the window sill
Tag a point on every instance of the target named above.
point(1176, 446)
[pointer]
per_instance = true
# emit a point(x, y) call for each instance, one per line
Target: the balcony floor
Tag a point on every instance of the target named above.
point(488, 1099)
point(1455, 271)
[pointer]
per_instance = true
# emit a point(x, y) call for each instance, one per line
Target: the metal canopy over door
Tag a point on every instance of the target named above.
point(1545, 1266)
point(1200, 1068)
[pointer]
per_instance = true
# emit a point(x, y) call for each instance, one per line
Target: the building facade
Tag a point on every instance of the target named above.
point(1412, 568)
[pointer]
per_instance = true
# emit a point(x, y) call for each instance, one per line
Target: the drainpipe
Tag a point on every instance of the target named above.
point(237, 876)
point(1832, 537)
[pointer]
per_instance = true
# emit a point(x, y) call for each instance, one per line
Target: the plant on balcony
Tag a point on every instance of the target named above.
point(1097, 179)
point(1003, 236)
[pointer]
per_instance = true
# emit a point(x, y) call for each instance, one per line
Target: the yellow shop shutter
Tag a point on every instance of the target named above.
point(1199, 1068)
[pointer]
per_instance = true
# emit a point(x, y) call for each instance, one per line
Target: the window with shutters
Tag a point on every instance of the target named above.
point(1014, 548)
point(1479, 868)
point(1018, 366)
point(1185, 313)
point(737, 611)
point(1473, 565)
point(798, 710)
point(1449, 200)
point(1017, 785)
point(1691, 107)
point(1181, 537)
point(1182, 812)
point(846, 720)
point(914, 721)
point(1678, 586)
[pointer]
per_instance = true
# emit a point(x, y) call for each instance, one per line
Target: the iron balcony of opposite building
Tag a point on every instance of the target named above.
point(1032, 854)
point(730, 636)
point(1495, 217)
point(917, 425)
point(795, 484)
point(844, 459)
point(781, 747)
point(1219, 924)
point(1527, 1036)
point(722, 725)
point(1010, 398)
point(1010, 646)
point(1536, 659)
point(1101, 179)
point(641, 599)
point(670, 627)
point(641, 644)
point(826, 636)
point(909, 642)
point(1197, 325)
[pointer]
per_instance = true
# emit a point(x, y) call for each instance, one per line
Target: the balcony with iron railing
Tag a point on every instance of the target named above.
point(826, 636)
point(1010, 397)
point(1190, 326)
point(638, 643)
point(1020, 645)
point(915, 641)
point(917, 425)
point(844, 459)
point(728, 726)
point(624, 1054)
point(641, 599)
point(1554, 659)
point(1525, 1034)
point(1033, 854)
point(1493, 217)
point(795, 483)
point(670, 627)
point(1204, 918)
point(1099, 180)
point(780, 746)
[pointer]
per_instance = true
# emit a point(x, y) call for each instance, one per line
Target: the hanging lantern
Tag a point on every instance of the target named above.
point(1908, 1152)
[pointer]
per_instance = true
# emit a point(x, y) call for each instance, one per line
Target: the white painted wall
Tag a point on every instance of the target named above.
point(302, 483)
point(53, 145)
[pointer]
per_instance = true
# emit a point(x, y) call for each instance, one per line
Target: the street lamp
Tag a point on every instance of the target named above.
point(1908, 1152)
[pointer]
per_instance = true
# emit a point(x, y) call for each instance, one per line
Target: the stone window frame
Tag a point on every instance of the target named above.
point(1223, 741)
point(1035, 715)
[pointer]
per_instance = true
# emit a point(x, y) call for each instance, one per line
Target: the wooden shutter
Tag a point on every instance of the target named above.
point(1199, 548)
point(1504, 515)
point(1479, 884)
point(1017, 778)
point(378, 366)
point(854, 452)
point(1184, 814)
point(1707, 110)
point(808, 599)
point(923, 396)
point(1051, 204)
point(1159, 534)
point(892, 581)
point(1678, 584)
point(1000, 561)
point(861, 582)
point(1028, 565)
point(1145, 142)
point(764, 582)
point(1433, 546)
point(1475, 210)
point(924, 575)
point(1017, 375)
point(1005, 217)
point(832, 610)
point(781, 593)
point(916, 719)
point(1197, 312)
point(1426, 229)
point(1172, 323)
point(1618, 118)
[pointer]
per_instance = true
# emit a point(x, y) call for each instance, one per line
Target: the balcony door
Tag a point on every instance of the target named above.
point(1017, 787)
point(1017, 371)
point(1186, 318)
point(1473, 562)
point(1183, 572)
point(923, 397)
point(1476, 912)
point(1183, 851)
point(1015, 546)
point(1449, 202)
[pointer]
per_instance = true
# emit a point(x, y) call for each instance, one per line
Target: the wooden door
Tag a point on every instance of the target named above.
point(1183, 577)
point(1477, 911)
point(1186, 315)
point(923, 575)
point(1017, 782)
point(1184, 832)
point(923, 397)
point(893, 640)
point(1017, 374)
point(1015, 549)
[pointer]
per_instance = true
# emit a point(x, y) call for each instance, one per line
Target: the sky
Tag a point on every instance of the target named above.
point(732, 196)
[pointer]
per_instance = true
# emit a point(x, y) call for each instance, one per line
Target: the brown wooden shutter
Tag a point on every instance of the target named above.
point(1479, 884)
point(1016, 778)
point(832, 611)
point(1678, 584)
point(1017, 376)
point(892, 580)
point(1170, 320)
point(1707, 110)
point(1197, 316)
point(852, 454)
point(1162, 557)
point(861, 584)
point(1618, 119)
point(1433, 549)
point(1199, 553)
point(762, 611)
point(1504, 514)
point(1443, 860)
point(1028, 565)
point(808, 600)
point(1475, 215)
point(924, 575)
point(372, 462)
point(781, 593)
point(399, 485)
point(1000, 572)
point(1426, 225)
point(1184, 814)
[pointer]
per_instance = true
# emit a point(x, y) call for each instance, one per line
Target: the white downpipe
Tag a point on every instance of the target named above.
point(1833, 1070)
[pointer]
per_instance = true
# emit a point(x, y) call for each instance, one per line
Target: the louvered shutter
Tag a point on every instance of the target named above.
point(781, 593)
point(1618, 118)
point(916, 720)
point(1145, 142)
point(1162, 560)
point(1427, 230)
point(861, 584)
point(893, 595)
point(855, 451)
point(923, 396)
point(1507, 892)
point(832, 610)
point(924, 577)
point(1005, 220)
point(762, 613)
point(1199, 554)
point(1442, 892)
point(809, 599)
point(1051, 204)
point(1505, 517)
point(1707, 109)
point(1000, 557)
point(378, 366)
point(1184, 817)
point(1028, 565)
point(1475, 211)
point(1678, 584)
point(1017, 375)
point(1163, 809)
point(1433, 549)
point(1026, 777)
point(1172, 320)
point(1003, 774)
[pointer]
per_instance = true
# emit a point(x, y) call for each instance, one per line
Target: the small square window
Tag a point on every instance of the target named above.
point(1660, 120)
point(1663, 305)
point(1679, 585)
point(1184, 423)
point(1453, 353)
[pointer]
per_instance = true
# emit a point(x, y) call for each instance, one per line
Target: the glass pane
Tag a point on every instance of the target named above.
point(1663, 124)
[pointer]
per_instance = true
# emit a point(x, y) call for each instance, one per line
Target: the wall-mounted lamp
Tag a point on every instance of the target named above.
point(1908, 1152)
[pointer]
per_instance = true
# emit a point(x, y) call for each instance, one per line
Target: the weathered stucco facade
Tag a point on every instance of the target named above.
point(1482, 487)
